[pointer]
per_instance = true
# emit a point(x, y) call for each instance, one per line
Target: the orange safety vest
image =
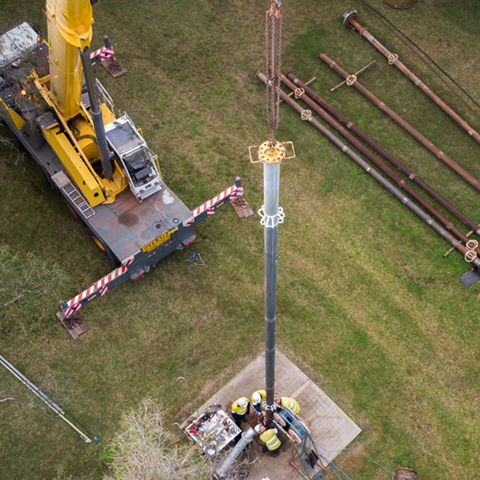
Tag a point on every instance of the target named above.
point(240, 410)
point(270, 438)
point(291, 404)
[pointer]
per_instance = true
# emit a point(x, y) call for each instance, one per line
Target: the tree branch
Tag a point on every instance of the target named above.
point(19, 296)
point(31, 405)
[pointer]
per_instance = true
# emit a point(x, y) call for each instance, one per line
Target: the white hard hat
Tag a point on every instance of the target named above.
point(242, 402)
point(257, 398)
point(257, 428)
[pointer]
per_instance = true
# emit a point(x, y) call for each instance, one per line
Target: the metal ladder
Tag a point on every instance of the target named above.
point(78, 200)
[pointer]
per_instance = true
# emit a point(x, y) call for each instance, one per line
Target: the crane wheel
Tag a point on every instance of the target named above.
point(96, 240)
point(100, 245)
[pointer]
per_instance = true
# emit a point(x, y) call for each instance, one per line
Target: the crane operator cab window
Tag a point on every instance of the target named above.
point(136, 159)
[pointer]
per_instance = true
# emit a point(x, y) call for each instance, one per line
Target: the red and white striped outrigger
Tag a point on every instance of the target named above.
point(231, 193)
point(98, 289)
point(101, 54)
point(122, 273)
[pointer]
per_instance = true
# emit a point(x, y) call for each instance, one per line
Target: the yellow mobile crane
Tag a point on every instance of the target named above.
point(89, 154)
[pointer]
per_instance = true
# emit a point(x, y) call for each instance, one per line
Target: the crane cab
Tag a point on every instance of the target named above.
point(136, 159)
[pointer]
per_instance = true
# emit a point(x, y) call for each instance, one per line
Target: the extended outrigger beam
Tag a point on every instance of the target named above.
point(135, 266)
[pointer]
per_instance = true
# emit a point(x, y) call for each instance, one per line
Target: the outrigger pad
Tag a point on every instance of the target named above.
point(241, 207)
point(113, 67)
point(470, 278)
point(75, 325)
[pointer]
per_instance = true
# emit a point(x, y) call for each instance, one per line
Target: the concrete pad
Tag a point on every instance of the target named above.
point(331, 428)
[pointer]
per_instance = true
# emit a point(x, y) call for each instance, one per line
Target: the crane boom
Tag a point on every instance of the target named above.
point(69, 32)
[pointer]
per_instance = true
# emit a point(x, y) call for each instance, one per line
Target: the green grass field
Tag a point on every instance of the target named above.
point(367, 305)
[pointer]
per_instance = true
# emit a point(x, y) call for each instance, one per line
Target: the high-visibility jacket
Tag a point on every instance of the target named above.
point(262, 393)
point(291, 404)
point(236, 408)
point(270, 438)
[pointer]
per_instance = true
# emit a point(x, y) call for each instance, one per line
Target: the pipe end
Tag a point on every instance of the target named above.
point(320, 53)
point(347, 16)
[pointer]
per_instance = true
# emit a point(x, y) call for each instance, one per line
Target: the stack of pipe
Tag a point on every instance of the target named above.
point(306, 115)
point(316, 102)
point(350, 19)
point(313, 100)
point(400, 121)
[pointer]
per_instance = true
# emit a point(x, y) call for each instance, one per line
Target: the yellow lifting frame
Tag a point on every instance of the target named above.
point(14, 116)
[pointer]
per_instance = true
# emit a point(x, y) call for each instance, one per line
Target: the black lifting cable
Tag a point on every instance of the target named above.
point(379, 16)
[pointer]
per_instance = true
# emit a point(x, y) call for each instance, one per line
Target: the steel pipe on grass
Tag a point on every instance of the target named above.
point(388, 156)
point(385, 183)
point(50, 403)
point(350, 19)
point(400, 121)
point(385, 168)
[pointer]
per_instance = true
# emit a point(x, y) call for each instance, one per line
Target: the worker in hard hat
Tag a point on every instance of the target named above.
point(240, 408)
point(285, 402)
point(269, 437)
point(257, 398)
